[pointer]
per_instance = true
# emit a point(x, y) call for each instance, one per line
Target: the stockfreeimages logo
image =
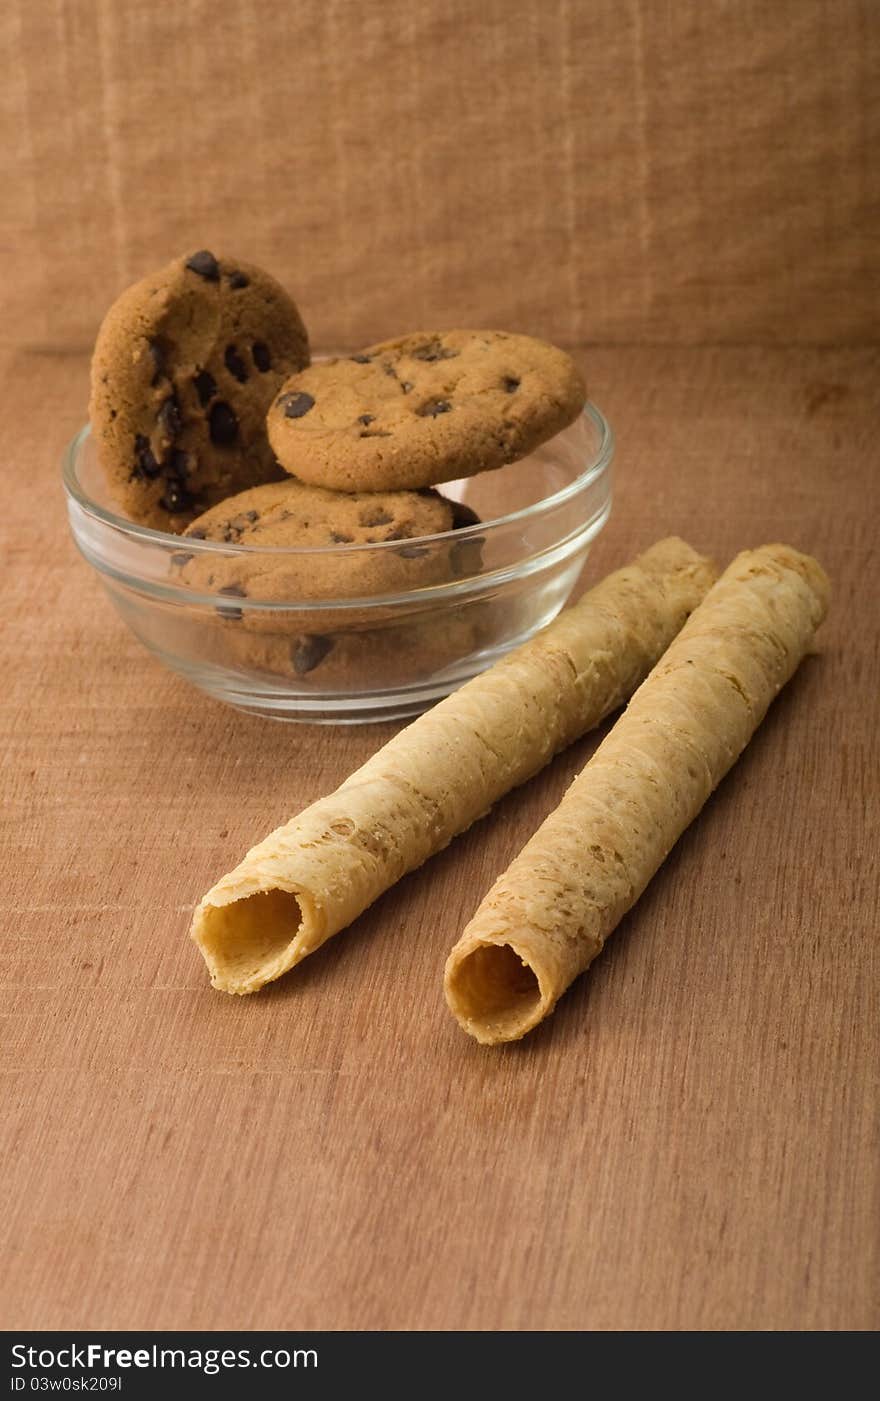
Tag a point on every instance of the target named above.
point(95, 1357)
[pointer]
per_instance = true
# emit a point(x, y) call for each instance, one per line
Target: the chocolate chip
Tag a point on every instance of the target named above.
point(307, 652)
point(176, 498)
point(145, 465)
point(433, 350)
point(237, 279)
point(367, 418)
point(177, 464)
point(296, 405)
point(261, 357)
point(375, 433)
point(222, 425)
point(338, 538)
point(406, 386)
point(197, 534)
point(157, 355)
point(510, 384)
point(362, 359)
point(205, 264)
point(377, 516)
point(234, 364)
point(434, 407)
point(463, 516)
point(234, 615)
point(181, 557)
point(243, 520)
point(169, 419)
point(206, 387)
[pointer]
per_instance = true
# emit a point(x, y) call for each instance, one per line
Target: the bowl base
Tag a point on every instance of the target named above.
point(378, 715)
point(354, 709)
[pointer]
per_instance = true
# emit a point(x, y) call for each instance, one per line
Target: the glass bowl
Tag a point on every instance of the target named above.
point(325, 659)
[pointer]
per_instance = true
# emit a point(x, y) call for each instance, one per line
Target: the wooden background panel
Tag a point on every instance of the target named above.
point(591, 170)
point(690, 1141)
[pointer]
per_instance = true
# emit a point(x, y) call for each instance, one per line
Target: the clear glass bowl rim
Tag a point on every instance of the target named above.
point(599, 463)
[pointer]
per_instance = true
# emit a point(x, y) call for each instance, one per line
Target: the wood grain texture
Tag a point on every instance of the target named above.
point(689, 1142)
point(590, 170)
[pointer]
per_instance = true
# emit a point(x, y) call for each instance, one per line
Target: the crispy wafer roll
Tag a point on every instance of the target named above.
point(311, 878)
point(548, 916)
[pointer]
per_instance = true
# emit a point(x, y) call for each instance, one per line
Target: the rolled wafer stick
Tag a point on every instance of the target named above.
point(548, 915)
point(312, 877)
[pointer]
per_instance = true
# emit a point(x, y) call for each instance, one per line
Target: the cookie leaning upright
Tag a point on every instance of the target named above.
point(425, 408)
point(186, 364)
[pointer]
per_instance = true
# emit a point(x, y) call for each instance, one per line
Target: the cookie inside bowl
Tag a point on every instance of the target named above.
point(291, 535)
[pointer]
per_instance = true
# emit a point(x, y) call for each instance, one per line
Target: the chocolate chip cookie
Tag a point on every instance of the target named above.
point(422, 409)
point(289, 515)
point(186, 364)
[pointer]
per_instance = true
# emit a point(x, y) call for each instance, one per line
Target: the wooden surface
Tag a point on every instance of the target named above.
point(590, 170)
point(690, 1142)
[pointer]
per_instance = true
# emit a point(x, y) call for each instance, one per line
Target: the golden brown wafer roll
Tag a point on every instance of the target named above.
point(548, 916)
point(311, 878)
